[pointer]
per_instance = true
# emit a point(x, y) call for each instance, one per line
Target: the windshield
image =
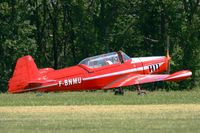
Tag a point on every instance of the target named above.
point(125, 56)
point(101, 60)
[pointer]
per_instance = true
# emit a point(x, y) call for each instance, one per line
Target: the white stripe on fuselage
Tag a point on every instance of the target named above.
point(144, 59)
point(115, 73)
point(119, 73)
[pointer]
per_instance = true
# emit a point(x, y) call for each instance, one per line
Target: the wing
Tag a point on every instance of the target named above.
point(134, 79)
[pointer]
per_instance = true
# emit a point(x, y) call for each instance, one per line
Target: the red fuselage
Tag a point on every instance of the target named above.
point(99, 72)
point(81, 77)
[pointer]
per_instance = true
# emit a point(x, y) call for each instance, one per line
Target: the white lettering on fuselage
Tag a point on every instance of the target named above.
point(69, 82)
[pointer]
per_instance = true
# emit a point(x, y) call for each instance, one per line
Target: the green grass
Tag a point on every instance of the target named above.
point(116, 118)
point(99, 98)
point(170, 112)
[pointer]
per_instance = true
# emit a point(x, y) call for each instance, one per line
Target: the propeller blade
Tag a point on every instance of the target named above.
point(168, 55)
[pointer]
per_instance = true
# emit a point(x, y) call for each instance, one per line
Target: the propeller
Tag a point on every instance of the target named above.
point(168, 55)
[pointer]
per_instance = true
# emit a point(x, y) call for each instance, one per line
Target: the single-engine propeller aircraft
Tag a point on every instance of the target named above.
point(106, 71)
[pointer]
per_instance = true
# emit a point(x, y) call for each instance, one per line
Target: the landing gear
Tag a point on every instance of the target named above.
point(119, 91)
point(140, 91)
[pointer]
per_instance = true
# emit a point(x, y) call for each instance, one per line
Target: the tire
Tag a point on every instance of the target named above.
point(116, 92)
point(142, 93)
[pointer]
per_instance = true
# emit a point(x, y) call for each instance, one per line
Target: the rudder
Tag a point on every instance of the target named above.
point(25, 70)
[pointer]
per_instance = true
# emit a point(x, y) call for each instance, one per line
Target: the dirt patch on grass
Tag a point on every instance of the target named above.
point(102, 108)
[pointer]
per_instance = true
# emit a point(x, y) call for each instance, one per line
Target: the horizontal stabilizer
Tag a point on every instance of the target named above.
point(36, 83)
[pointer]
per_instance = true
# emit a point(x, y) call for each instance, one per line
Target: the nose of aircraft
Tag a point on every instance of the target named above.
point(153, 64)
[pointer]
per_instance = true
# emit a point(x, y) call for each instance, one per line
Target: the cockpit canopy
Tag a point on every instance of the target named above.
point(105, 59)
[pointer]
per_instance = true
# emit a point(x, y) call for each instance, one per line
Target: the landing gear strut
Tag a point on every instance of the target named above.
point(119, 91)
point(140, 91)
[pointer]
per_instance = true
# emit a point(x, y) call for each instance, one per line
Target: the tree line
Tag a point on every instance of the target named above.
point(60, 33)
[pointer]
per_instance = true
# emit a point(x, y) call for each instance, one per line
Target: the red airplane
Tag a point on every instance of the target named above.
point(106, 71)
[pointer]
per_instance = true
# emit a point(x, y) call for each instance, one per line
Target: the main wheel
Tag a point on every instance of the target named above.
point(116, 92)
point(121, 91)
point(142, 93)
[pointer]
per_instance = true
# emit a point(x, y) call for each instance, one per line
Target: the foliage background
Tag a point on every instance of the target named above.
point(60, 33)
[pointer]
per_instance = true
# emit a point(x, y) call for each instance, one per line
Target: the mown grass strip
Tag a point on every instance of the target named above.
point(102, 108)
point(173, 118)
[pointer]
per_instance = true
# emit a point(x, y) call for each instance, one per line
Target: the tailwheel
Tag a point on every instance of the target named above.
point(140, 91)
point(119, 91)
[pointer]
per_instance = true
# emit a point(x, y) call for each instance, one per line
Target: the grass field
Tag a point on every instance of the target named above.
point(177, 112)
point(99, 98)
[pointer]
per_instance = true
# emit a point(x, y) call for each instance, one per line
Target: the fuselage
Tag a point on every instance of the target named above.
point(83, 77)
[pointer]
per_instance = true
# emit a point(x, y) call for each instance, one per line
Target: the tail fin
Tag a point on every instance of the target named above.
point(25, 70)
